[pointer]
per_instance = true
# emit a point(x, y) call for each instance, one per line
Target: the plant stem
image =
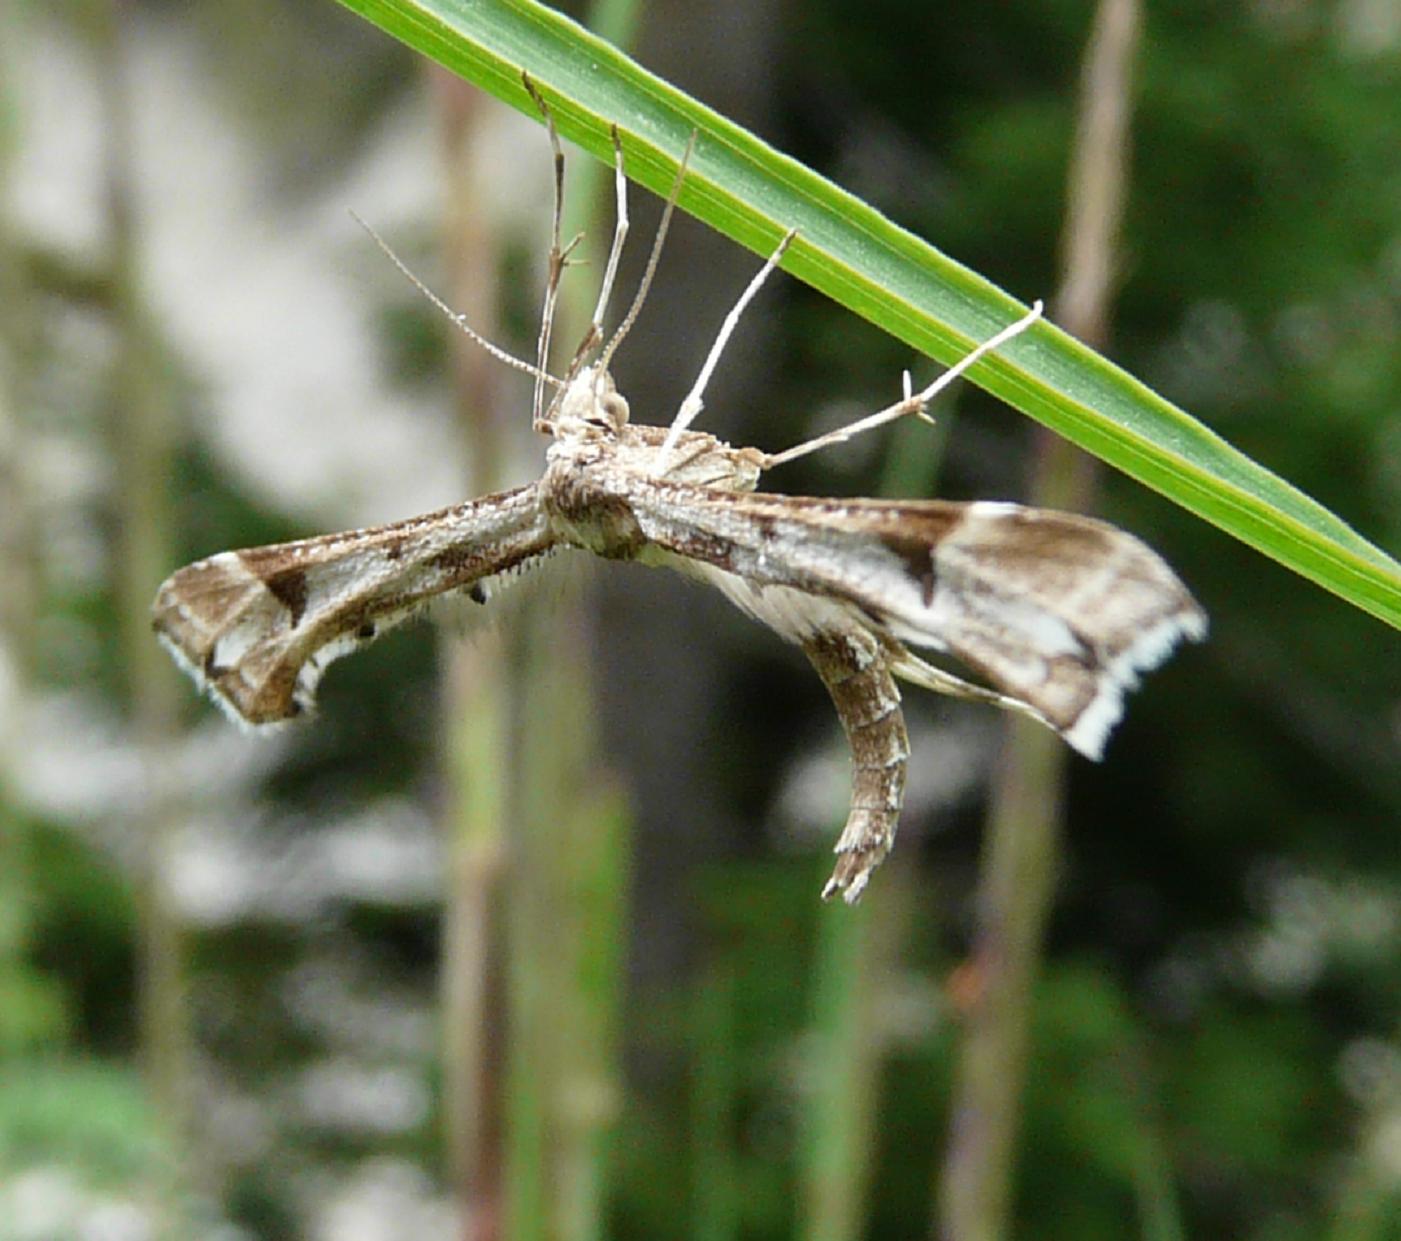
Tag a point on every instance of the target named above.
point(143, 439)
point(477, 691)
point(843, 1074)
point(18, 607)
point(531, 1078)
point(1024, 823)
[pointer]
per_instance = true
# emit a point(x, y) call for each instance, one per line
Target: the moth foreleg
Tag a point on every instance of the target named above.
point(594, 336)
point(853, 666)
point(694, 401)
point(912, 402)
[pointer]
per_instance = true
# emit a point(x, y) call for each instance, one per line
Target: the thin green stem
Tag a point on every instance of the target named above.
point(477, 693)
point(843, 1071)
point(715, 1192)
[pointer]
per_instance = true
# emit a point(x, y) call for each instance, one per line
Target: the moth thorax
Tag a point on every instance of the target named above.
point(591, 405)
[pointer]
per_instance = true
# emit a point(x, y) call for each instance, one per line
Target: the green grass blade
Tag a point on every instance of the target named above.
point(752, 193)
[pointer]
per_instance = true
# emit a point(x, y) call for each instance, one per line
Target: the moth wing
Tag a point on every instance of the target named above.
point(257, 627)
point(1056, 611)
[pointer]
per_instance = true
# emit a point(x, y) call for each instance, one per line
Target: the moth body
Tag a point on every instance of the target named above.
point(1054, 614)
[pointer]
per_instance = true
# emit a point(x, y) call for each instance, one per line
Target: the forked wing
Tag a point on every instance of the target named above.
point(257, 627)
point(1057, 611)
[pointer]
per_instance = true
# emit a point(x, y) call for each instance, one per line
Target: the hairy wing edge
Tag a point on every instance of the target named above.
point(1060, 613)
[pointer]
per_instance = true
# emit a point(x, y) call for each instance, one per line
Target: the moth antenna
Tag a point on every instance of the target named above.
point(652, 259)
point(693, 404)
point(458, 321)
point(910, 403)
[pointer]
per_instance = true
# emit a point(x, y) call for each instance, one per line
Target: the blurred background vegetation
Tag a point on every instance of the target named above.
point(520, 937)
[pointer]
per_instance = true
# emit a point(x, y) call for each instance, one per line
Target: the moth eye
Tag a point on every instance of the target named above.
point(616, 407)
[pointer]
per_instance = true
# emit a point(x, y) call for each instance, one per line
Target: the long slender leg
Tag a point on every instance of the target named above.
point(652, 259)
point(557, 258)
point(693, 403)
point(911, 403)
point(620, 231)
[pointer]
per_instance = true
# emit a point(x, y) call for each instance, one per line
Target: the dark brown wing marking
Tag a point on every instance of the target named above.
point(1057, 611)
point(257, 627)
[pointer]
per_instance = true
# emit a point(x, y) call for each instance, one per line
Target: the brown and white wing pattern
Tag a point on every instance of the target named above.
point(1058, 613)
point(257, 627)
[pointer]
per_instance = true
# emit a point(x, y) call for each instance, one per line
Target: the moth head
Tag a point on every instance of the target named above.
point(591, 407)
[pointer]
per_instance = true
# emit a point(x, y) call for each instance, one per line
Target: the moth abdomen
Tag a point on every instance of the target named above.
point(853, 667)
